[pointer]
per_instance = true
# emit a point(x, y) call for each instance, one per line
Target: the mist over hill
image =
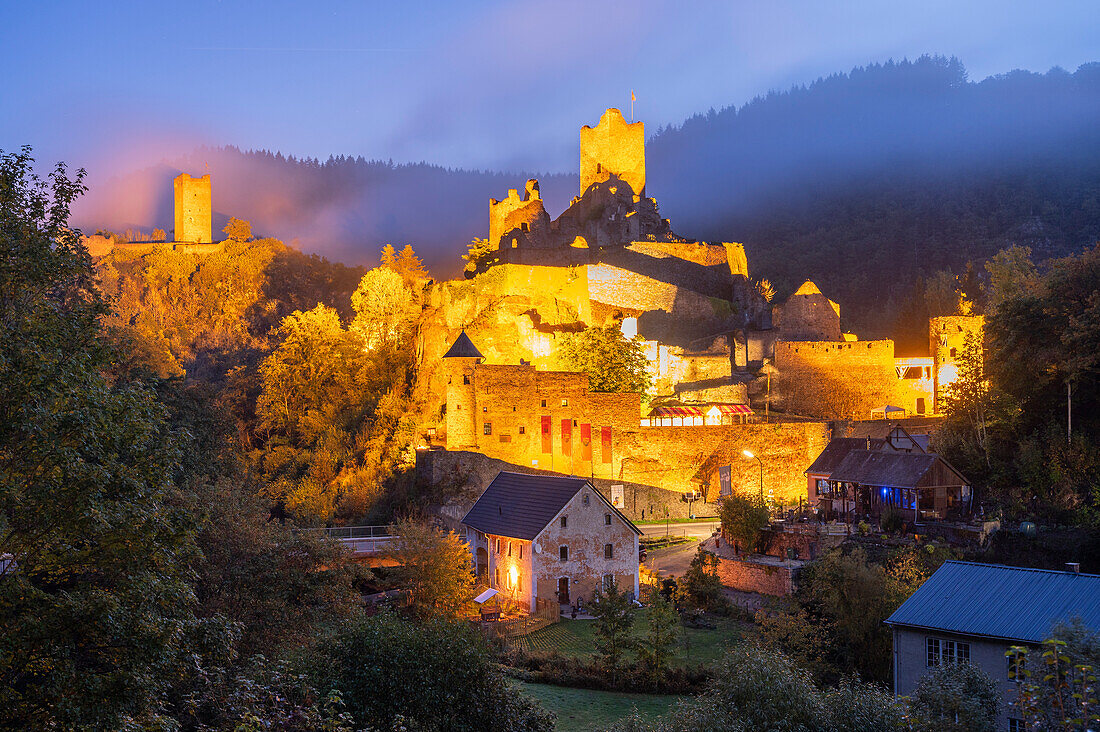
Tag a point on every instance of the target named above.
point(862, 181)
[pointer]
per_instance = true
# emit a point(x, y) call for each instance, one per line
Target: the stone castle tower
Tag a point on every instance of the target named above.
point(459, 364)
point(194, 214)
point(526, 214)
point(613, 147)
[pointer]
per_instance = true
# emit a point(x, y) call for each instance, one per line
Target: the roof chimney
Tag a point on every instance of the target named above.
point(1074, 567)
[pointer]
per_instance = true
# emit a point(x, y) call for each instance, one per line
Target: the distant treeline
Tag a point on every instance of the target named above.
point(861, 181)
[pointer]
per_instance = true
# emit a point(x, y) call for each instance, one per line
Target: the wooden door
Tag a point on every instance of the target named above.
point(563, 591)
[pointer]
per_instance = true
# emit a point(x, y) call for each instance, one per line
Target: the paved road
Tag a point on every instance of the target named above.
point(695, 529)
point(675, 560)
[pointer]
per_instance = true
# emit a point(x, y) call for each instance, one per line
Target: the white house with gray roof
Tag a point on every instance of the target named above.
point(972, 613)
point(550, 538)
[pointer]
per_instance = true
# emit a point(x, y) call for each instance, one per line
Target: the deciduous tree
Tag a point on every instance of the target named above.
point(434, 566)
point(613, 362)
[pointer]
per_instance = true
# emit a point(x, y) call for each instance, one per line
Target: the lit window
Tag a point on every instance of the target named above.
point(565, 402)
point(563, 553)
point(484, 409)
point(488, 428)
point(564, 521)
point(607, 519)
point(608, 551)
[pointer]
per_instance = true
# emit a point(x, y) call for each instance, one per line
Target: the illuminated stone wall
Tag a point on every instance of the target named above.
point(946, 341)
point(834, 379)
point(808, 315)
point(613, 147)
point(194, 214)
point(524, 215)
point(586, 532)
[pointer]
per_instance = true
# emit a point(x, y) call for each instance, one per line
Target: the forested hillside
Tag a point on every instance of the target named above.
point(863, 181)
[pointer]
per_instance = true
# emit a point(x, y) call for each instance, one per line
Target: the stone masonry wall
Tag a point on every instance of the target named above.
point(193, 214)
point(613, 147)
point(586, 533)
point(749, 576)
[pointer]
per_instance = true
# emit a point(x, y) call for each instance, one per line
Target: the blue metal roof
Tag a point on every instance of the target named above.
point(996, 601)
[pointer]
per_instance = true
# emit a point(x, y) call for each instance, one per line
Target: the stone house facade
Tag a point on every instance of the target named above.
point(540, 538)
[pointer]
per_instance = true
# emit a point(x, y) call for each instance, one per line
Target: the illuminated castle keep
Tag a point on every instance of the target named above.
point(194, 214)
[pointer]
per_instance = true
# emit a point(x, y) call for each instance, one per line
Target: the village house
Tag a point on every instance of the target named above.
point(973, 613)
point(922, 486)
point(547, 538)
point(881, 436)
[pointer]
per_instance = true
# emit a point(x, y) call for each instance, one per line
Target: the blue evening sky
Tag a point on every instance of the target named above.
point(479, 84)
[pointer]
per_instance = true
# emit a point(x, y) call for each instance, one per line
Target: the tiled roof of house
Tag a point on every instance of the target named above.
point(838, 449)
point(520, 506)
point(995, 601)
point(896, 469)
point(463, 347)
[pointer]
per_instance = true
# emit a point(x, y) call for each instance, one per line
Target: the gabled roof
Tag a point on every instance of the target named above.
point(995, 601)
point(838, 449)
point(463, 347)
point(896, 469)
point(520, 506)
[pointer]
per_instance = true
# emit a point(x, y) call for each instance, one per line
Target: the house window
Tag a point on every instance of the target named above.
point(608, 551)
point(488, 428)
point(564, 522)
point(521, 551)
point(952, 353)
point(942, 652)
point(608, 582)
point(496, 577)
point(565, 402)
point(484, 409)
point(544, 404)
point(607, 519)
point(920, 405)
point(465, 379)
point(584, 499)
point(522, 430)
point(563, 553)
point(509, 548)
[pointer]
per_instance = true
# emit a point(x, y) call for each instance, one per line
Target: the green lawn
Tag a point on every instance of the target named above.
point(584, 710)
point(695, 647)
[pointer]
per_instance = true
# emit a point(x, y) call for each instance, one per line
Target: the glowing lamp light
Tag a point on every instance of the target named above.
point(749, 454)
point(513, 575)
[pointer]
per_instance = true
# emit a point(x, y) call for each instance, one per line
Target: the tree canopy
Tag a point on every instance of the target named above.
point(612, 361)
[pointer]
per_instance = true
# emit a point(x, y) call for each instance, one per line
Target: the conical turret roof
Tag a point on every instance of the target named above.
point(463, 347)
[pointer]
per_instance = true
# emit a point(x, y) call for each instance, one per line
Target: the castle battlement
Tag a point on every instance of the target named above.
point(614, 147)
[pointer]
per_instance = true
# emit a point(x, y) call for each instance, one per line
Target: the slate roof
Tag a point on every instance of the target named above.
point(463, 347)
point(837, 449)
point(520, 506)
point(897, 469)
point(994, 601)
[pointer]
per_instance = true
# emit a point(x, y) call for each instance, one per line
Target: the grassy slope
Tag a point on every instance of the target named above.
point(582, 710)
point(695, 647)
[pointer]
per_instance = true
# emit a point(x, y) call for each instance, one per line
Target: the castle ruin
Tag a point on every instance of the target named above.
point(194, 214)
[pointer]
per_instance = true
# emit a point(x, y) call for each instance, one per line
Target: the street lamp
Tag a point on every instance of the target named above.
point(749, 454)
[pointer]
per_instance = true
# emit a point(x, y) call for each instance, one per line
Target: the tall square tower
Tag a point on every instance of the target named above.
point(194, 214)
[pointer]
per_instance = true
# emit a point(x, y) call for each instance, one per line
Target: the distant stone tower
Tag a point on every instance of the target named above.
point(613, 147)
point(194, 214)
point(946, 341)
point(459, 362)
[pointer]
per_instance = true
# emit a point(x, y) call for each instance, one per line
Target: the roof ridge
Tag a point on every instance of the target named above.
point(1020, 569)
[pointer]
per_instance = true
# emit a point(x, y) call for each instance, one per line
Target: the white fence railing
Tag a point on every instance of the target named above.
point(361, 539)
